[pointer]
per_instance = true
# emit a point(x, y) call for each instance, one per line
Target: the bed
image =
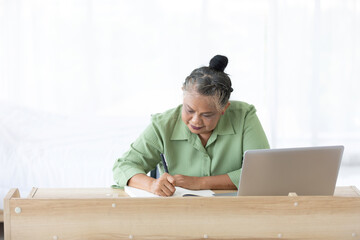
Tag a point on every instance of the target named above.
point(52, 151)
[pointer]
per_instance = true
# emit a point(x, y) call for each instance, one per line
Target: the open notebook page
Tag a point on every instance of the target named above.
point(180, 192)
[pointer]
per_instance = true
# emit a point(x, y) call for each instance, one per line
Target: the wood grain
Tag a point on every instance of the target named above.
point(121, 217)
point(12, 194)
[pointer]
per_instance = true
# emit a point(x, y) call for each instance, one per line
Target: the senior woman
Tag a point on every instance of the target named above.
point(203, 139)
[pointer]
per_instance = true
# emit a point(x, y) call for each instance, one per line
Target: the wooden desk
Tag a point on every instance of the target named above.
point(110, 214)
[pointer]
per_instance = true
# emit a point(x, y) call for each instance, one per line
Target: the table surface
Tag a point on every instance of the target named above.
point(59, 193)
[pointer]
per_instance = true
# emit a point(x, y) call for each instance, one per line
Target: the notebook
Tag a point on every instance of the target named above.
point(180, 192)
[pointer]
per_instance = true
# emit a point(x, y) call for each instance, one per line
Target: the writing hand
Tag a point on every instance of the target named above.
point(163, 186)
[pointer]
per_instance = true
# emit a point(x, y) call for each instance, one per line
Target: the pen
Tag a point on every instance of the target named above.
point(164, 163)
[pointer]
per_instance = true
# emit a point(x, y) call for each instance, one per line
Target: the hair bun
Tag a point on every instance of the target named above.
point(219, 63)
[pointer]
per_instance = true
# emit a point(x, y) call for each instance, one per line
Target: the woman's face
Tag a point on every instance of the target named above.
point(200, 113)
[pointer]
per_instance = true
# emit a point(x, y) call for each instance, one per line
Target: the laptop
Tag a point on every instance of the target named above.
point(278, 172)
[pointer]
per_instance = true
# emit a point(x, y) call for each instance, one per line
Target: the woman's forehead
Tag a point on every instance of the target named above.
point(200, 102)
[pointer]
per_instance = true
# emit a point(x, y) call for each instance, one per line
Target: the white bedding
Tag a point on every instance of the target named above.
point(46, 150)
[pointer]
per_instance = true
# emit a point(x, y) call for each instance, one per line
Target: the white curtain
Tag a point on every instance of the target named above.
point(297, 61)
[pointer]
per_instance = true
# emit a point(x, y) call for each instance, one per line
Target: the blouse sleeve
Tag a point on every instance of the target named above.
point(254, 137)
point(142, 157)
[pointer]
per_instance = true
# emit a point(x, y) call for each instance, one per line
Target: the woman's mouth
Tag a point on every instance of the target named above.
point(195, 128)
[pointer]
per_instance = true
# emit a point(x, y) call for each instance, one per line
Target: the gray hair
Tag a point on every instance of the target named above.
point(211, 81)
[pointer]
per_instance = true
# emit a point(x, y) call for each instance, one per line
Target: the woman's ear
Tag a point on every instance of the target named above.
point(227, 105)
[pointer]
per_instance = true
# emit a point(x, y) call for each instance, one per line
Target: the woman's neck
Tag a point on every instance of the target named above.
point(204, 138)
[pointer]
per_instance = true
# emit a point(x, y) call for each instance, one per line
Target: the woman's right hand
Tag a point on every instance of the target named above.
point(163, 186)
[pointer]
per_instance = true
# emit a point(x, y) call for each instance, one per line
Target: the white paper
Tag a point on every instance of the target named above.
point(180, 192)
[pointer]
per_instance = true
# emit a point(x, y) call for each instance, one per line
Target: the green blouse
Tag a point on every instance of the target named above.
point(238, 130)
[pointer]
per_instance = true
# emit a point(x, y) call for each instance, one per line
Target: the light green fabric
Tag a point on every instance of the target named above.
point(238, 130)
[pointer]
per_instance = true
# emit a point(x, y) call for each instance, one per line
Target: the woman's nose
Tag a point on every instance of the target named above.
point(196, 119)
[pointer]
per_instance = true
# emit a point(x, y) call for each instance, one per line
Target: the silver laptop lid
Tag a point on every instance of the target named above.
point(277, 172)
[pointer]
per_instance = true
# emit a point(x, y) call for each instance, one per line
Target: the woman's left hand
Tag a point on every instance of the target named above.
point(187, 182)
point(207, 182)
